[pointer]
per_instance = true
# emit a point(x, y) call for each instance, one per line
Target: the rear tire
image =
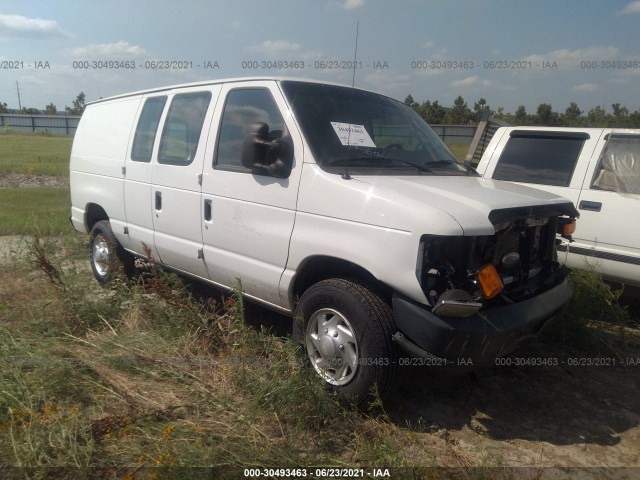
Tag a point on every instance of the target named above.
point(347, 331)
point(107, 256)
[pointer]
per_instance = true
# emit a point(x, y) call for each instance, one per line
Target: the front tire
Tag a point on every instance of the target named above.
point(347, 331)
point(107, 256)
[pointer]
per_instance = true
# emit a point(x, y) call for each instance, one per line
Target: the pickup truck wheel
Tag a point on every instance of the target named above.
point(106, 254)
point(347, 337)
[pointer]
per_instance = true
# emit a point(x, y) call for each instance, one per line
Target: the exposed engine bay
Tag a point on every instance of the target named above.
point(462, 274)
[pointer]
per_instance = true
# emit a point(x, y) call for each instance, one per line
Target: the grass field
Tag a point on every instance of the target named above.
point(148, 376)
point(459, 150)
point(35, 154)
point(32, 210)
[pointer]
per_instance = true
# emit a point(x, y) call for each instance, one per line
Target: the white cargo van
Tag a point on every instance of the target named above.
point(338, 206)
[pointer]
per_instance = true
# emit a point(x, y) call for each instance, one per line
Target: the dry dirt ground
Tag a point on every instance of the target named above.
point(562, 416)
point(12, 246)
point(547, 419)
point(22, 180)
point(570, 420)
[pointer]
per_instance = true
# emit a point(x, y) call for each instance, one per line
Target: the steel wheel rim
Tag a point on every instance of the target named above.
point(332, 346)
point(101, 256)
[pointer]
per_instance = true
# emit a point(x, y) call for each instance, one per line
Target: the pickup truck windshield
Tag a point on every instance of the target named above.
point(367, 133)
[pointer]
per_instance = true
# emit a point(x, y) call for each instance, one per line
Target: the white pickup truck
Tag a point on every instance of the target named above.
point(337, 206)
point(598, 169)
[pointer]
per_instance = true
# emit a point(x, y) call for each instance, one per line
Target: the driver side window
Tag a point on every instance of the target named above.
point(243, 107)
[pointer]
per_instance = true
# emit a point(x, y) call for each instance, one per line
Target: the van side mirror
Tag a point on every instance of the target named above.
point(274, 156)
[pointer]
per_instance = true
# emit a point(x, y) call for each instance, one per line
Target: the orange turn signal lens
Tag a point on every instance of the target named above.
point(489, 281)
point(569, 228)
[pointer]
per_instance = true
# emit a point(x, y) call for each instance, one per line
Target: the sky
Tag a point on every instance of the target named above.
point(509, 52)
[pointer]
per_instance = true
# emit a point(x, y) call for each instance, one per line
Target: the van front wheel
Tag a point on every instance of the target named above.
point(106, 254)
point(347, 338)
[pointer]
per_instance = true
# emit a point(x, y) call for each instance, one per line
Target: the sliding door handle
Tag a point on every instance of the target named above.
point(207, 210)
point(591, 206)
point(158, 201)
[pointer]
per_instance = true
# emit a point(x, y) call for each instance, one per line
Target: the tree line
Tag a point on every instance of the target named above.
point(51, 109)
point(461, 114)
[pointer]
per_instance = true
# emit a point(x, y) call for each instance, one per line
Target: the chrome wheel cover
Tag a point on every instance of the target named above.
point(101, 256)
point(332, 346)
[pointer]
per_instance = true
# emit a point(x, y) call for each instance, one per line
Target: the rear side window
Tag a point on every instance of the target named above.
point(242, 108)
point(619, 166)
point(147, 127)
point(181, 132)
point(546, 159)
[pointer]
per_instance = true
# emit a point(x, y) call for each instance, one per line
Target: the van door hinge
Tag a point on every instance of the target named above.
point(200, 179)
point(124, 170)
point(201, 253)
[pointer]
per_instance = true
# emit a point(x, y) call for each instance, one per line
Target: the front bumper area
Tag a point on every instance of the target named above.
point(477, 340)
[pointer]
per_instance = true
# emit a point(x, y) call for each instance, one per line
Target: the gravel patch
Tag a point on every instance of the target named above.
point(13, 247)
point(22, 180)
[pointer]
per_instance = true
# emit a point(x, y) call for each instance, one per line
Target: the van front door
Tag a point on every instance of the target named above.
point(176, 177)
point(248, 216)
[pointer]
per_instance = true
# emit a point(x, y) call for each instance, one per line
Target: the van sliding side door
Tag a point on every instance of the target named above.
point(176, 177)
point(137, 183)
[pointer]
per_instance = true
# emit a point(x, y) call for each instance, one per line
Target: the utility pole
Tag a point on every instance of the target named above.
point(19, 102)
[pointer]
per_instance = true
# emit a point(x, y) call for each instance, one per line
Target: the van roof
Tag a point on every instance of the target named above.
point(216, 82)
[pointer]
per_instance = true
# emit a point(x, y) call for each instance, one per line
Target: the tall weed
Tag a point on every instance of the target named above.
point(150, 377)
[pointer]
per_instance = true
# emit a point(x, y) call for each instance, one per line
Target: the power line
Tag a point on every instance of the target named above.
point(19, 102)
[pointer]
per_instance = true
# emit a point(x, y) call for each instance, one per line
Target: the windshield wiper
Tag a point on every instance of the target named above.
point(468, 168)
point(421, 168)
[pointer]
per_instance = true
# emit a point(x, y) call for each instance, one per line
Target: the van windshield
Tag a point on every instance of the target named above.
point(367, 133)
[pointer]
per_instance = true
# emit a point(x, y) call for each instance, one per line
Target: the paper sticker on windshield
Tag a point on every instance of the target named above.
point(357, 137)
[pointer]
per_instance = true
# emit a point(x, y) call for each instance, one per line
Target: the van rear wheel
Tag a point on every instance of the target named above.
point(347, 331)
point(107, 255)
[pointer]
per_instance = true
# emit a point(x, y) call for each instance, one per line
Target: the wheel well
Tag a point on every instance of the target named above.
point(318, 268)
point(93, 214)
